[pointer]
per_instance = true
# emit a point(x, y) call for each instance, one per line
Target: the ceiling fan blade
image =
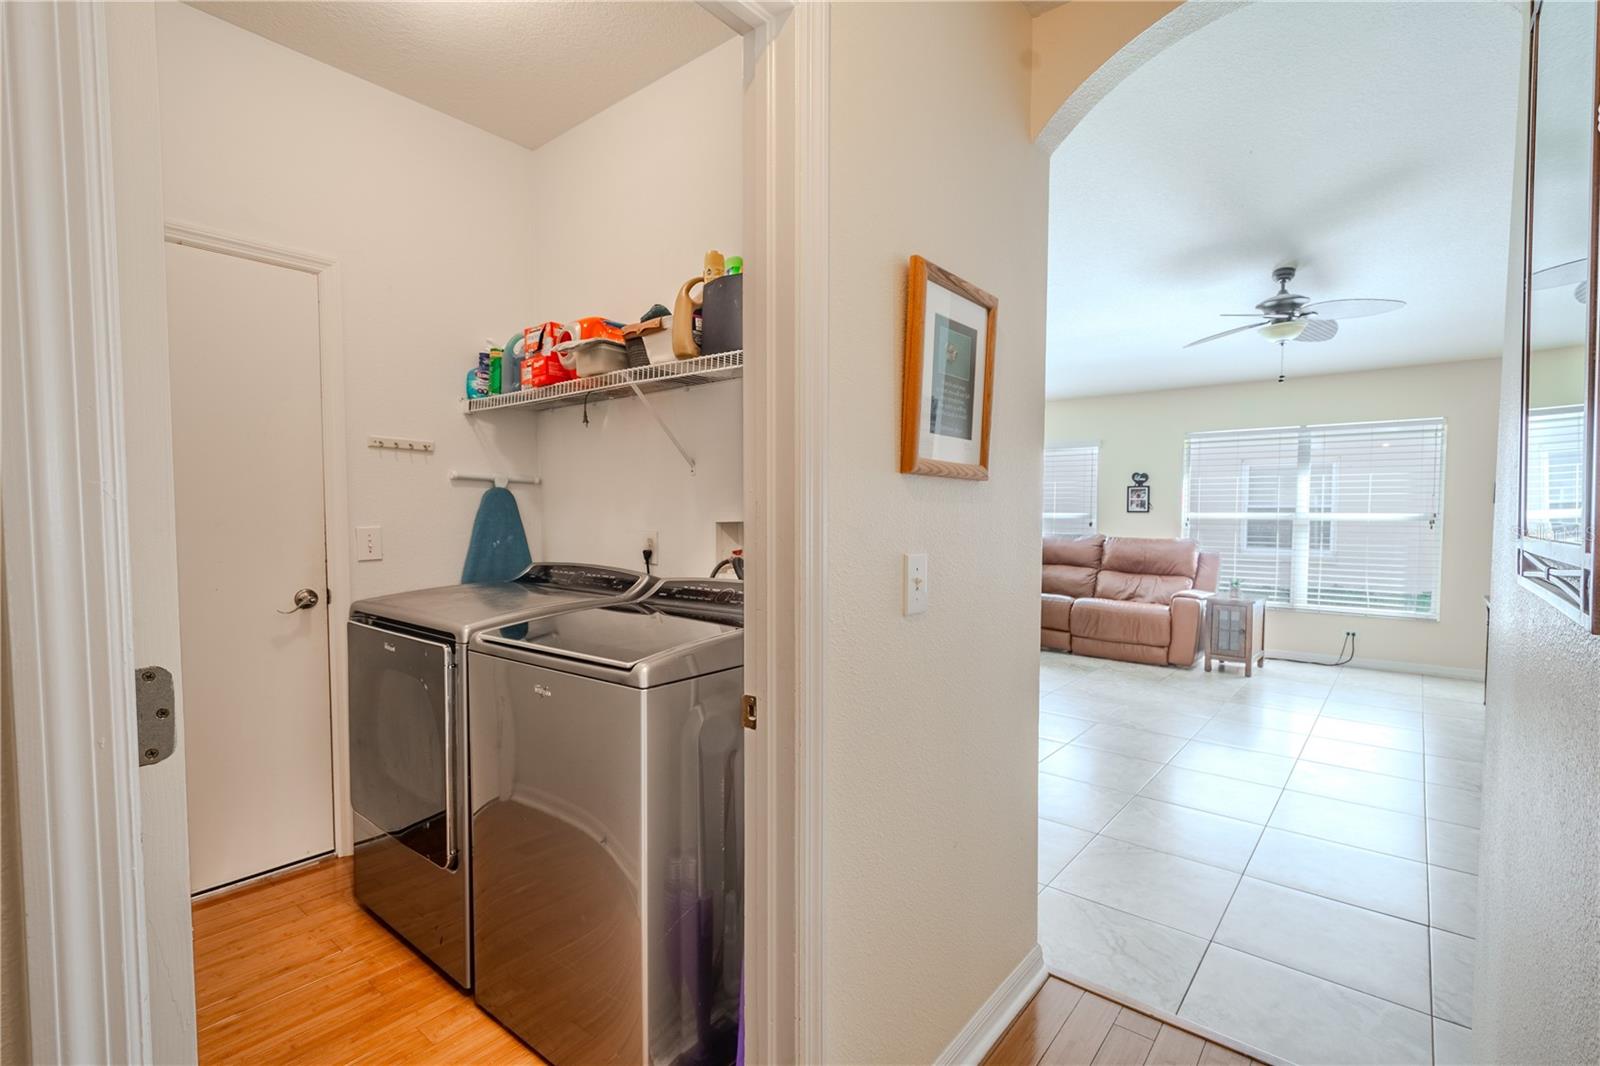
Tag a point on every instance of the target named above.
point(1553, 277)
point(1252, 314)
point(1353, 308)
point(1318, 329)
point(1227, 332)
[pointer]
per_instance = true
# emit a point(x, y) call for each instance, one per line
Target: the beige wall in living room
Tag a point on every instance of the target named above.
point(1145, 431)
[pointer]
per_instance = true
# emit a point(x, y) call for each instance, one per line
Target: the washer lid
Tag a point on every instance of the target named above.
point(620, 637)
point(461, 610)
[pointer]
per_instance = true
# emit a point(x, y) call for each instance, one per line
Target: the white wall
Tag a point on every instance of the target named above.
point(928, 862)
point(620, 229)
point(446, 235)
point(629, 201)
point(1145, 431)
point(426, 217)
point(607, 483)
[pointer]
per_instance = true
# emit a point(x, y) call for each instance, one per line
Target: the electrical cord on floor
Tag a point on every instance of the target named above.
point(1347, 652)
point(1343, 658)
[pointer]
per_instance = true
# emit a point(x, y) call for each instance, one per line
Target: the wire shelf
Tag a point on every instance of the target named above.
point(679, 374)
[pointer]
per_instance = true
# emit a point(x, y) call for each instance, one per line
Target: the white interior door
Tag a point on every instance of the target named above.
point(247, 468)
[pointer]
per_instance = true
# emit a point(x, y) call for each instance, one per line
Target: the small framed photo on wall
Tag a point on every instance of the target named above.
point(947, 397)
point(1139, 495)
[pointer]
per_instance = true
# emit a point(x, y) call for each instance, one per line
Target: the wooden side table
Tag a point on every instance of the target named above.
point(1236, 632)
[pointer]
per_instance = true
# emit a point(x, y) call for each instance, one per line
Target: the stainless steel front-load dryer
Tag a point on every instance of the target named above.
point(607, 823)
point(408, 742)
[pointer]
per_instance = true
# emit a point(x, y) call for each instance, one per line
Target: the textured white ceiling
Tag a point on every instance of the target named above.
point(1370, 144)
point(524, 71)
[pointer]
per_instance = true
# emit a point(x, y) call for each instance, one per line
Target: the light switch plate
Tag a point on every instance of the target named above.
point(916, 584)
point(369, 543)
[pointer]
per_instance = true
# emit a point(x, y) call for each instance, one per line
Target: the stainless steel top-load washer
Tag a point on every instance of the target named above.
point(607, 824)
point(408, 742)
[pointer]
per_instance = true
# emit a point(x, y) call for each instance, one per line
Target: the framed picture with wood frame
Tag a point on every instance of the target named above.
point(947, 397)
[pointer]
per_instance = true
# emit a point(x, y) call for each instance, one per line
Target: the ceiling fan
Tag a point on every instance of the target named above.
point(1286, 316)
point(1575, 273)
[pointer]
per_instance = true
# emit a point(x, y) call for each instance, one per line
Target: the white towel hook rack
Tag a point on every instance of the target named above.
point(499, 480)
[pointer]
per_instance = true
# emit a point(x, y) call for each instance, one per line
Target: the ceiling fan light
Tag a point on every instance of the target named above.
point(1288, 330)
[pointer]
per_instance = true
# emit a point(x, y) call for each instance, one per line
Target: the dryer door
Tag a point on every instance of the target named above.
point(402, 738)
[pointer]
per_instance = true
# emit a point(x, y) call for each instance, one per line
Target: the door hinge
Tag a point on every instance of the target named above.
point(155, 711)
point(749, 711)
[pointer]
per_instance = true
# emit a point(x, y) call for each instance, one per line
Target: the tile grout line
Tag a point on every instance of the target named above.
point(1216, 711)
point(1295, 761)
point(1131, 797)
point(1427, 854)
point(1141, 794)
point(1138, 794)
point(1096, 834)
point(1242, 873)
point(1243, 951)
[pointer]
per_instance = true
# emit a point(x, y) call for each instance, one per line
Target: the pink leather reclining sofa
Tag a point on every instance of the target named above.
point(1136, 599)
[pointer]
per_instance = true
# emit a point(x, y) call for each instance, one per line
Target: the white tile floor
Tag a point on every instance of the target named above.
point(1289, 860)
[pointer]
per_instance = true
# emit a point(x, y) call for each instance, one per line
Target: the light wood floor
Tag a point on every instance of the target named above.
point(292, 970)
point(1066, 1025)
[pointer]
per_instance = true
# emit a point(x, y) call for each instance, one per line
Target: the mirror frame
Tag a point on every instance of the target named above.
point(1562, 573)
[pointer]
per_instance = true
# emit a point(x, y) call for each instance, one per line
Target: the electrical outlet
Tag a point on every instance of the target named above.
point(916, 584)
point(369, 543)
point(650, 540)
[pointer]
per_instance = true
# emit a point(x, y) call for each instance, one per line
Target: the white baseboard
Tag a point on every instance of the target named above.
point(984, 1028)
point(1396, 666)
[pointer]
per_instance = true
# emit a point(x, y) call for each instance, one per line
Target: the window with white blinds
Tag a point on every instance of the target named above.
point(1325, 518)
point(1071, 482)
point(1555, 474)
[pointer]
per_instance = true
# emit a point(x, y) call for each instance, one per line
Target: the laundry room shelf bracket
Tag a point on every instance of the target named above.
point(673, 437)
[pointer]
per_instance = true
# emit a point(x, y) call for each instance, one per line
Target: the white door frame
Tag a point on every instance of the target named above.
point(66, 533)
point(68, 547)
point(786, 144)
point(335, 479)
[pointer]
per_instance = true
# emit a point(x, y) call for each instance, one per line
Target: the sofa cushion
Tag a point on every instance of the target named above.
point(1062, 550)
point(1122, 622)
point(1068, 581)
point(1145, 569)
point(1128, 653)
point(1141, 588)
point(1070, 564)
point(1056, 612)
point(1164, 556)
